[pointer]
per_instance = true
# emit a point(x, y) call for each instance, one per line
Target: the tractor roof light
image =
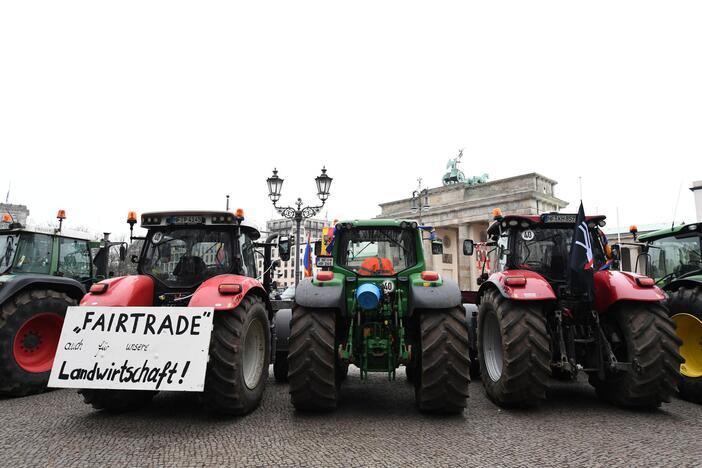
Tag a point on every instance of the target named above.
point(692, 227)
point(239, 213)
point(61, 214)
point(131, 218)
point(229, 289)
point(430, 276)
point(497, 214)
point(98, 288)
point(645, 282)
point(524, 224)
point(6, 218)
point(602, 223)
point(515, 281)
point(513, 222)
point(325, 276)
point(633, 229)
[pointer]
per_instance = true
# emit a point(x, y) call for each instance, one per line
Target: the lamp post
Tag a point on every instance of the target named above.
point(420, 200)
point(298, 213)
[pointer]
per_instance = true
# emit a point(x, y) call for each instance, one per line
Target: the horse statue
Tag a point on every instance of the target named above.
point(456, 176)
point(453, 174)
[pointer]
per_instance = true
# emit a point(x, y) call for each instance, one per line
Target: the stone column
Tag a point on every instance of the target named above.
point(466, 264)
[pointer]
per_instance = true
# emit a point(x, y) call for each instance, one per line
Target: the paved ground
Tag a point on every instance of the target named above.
point(376, 425)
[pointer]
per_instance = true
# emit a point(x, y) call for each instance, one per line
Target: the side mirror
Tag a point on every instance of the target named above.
point(122, 253)
point(468, 247)
point(437, 247)
point(317, 248)
point(284, 248)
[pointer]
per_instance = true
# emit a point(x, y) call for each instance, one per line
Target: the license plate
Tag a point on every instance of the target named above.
point(186, 220)
point(325, 261)
point(559, 218)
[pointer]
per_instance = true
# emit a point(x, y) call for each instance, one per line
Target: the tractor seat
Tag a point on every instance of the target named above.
point(190, 267)
point(376, 266)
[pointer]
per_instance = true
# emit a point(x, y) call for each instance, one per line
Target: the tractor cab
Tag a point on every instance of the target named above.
point(541, 244)
point(183, 249)
point(376, 251)
point(48, 252)
point(672, 253)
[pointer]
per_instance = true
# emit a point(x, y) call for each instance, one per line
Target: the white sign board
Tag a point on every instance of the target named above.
point(133, 348)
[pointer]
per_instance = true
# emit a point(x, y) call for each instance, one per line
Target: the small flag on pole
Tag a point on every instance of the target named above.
point(307, 260)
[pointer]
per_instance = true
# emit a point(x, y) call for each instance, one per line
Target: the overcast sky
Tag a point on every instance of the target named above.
point(107, 107)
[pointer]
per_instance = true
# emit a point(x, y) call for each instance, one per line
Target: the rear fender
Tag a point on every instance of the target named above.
point(615, 286)
point(308, 294)
point(434, 295)
point(535, 289)
point(20, 283)
point(208, 295)
point(123, 291)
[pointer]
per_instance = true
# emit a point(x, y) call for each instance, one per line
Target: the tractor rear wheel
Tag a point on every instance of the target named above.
point(312, 360)
point(280, 367)
point(685, 308)
point(513, 349)
point(443, 372)
point(643, 334)
point(30, 328)
point(239, 356)
point(116, 401)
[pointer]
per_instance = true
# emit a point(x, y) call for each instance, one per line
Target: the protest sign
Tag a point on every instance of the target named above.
point(133, 348)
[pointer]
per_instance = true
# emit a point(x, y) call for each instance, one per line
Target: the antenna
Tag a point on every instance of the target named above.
point(227, 202)
point(7, 197)
point(580, 182)
point(619, 238)
point(675, 210)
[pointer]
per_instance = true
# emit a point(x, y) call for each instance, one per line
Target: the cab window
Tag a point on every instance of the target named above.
point(34, 254)
point(74, 258)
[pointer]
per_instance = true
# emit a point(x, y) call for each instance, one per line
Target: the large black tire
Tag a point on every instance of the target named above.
point(513, 349)
point(33, 319)
point(116, 401)
point(280, 367)
point(443, 373)
point(239, 355)
point(688, 301)
point(312, 360)
point(649, 340)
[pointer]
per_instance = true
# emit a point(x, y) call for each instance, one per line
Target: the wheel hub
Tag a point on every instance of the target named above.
point(689, 329)
point(492, 347)
point(254, 353)
point(34, 345)
point(31, 341)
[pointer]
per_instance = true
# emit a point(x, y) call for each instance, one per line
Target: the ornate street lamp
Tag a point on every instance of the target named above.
point(420, 200)
point(298, 213)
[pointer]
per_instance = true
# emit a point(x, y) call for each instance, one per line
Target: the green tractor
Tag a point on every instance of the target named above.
point(42, 272)
point(377, 307)
point(673, 258)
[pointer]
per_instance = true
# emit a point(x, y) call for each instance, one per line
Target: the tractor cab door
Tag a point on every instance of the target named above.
point(74, 260)
point(248, 258)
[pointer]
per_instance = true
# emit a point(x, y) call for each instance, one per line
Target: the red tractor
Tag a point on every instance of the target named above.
point(200, 259)
point(534, 323)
